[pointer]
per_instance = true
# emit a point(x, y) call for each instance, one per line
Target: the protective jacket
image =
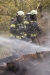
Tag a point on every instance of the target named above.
point(17, 29)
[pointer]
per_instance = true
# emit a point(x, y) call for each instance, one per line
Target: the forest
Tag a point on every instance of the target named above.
point(9, 8)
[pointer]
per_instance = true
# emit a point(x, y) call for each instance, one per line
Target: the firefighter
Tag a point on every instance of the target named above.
point(34, 26)
point(26, 26)
point(33, 15)
point(17, 26)
point(27, 16)
point(13, 28)
point(20, 24)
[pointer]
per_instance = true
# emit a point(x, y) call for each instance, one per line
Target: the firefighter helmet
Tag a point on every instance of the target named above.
point(20, 13)
point(33, 12)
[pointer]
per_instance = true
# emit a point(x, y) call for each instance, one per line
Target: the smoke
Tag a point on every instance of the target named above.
point(47, 23)
point(15, 48)
point(29, 67)
point(44, 23)
point(5, 47)
point(37, 67)
point(18, 48)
